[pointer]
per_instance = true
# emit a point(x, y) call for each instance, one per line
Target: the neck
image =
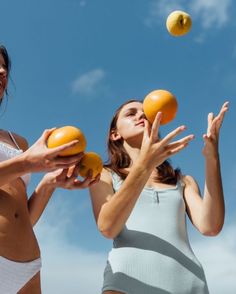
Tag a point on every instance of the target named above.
point(133, 151)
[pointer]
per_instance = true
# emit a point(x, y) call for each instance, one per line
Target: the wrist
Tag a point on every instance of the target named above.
point(144, 164)
point(49, 182)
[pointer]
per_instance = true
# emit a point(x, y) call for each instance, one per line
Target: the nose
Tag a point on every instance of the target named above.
point(3, 71)
point(140, 115)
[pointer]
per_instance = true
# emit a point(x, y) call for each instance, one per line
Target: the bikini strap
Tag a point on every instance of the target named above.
point(14, 140)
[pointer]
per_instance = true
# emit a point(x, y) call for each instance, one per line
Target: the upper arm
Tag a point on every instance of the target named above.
point(193, 199)
point(101, 192)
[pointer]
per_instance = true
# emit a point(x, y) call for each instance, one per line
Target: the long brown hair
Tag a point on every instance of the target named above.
point(119, 159)
point(7, 60)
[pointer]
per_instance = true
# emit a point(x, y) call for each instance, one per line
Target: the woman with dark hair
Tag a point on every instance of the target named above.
point(141, 203)
point(20, 261)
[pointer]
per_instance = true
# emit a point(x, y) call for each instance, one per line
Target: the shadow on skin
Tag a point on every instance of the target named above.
point(145, 241)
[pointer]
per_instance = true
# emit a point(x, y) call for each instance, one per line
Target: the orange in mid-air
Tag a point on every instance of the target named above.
point(160, 101)
point(65, 135)
point(90, 160)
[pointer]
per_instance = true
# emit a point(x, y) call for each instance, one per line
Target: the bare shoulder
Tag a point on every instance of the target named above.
point(190, 183)
point(105, 181)
point(106, 175)
point(188, 180)
point(21, 141)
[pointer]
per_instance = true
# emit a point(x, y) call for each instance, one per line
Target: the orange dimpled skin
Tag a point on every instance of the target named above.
point(160, 101)
point(90, 160)
point(65, 135)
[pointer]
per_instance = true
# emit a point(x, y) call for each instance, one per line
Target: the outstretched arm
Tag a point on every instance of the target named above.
point(207, 213)
point(111, 209)
point(61, 178)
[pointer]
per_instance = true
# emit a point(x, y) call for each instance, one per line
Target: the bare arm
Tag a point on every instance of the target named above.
point(111, 209)
point(38, 158)
point(207, 213)
point(61, 178)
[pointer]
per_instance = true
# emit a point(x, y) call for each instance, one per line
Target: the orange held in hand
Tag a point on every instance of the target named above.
point(163, 101)
point(65, 135)
point(90, 161)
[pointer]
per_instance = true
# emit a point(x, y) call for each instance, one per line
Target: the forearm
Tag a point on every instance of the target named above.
point(213, 202)
point(11, 169)
point(116, 211)
point(39, 200)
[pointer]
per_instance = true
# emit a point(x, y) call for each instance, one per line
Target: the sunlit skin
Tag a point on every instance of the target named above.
point(140, 139)
point(3, 76)
point(18, 214)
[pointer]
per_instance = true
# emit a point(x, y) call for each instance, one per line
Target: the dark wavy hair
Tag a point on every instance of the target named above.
point(119, 159)
point(4, 53)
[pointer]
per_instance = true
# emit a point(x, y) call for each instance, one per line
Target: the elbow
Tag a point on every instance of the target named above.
point(107, 230)
point(211, 231)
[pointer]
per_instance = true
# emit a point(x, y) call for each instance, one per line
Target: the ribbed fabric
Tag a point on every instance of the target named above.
point(152, 254)
point(8, 152)
point(14, 275)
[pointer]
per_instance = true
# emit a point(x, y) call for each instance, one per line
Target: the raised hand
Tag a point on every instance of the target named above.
point(211, 138)
point(157, 150)
point(39, 158)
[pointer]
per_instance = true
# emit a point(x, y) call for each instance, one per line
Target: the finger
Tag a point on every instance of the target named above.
point(175, 144)
point(177, 149)
point(210, 118)
point(82, 184)
point(59, 149)
point(155, 127)
point(71, 171)
point(147, 129)
point(172, 135)
point(75, 171)
point(70, 160)
point(47, 133)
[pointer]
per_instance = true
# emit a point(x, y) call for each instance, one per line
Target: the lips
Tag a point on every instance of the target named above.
point(141, 122)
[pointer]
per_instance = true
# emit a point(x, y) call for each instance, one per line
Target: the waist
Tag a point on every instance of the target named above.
point(17, 239)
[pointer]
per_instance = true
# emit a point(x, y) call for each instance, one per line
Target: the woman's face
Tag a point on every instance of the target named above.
point(130, 122)
point(3, 76)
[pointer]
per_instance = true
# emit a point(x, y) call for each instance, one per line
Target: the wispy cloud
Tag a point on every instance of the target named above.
point(67, 268)
point(218, 257)
point(210, 13)
point(160, 9)
point(89, 83)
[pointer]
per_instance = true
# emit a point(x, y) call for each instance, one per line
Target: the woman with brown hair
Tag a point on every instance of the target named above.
point(141, 203)
point(20, 260)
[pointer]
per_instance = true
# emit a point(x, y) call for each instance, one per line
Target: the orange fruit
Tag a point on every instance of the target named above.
point(160, 100)
point(65, 135)
point(178, 23)
point(90, 160)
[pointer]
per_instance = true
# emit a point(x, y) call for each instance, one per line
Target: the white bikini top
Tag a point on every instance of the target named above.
point(8, 152)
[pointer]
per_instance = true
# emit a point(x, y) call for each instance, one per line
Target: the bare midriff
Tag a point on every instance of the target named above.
point(17, 238)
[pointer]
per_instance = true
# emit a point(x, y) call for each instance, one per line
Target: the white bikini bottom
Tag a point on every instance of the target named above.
point(14, 275)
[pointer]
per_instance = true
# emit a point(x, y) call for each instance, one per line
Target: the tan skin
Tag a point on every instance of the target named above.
point(17, 213)
point(112, 209)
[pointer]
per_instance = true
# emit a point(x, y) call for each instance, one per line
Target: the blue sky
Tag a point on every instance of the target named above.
point(73, 63)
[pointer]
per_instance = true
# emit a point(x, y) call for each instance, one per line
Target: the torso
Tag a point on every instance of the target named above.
point(152, 253)
point(17, 239)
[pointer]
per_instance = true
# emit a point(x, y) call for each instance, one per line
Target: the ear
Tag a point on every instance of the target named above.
point(115, 136)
